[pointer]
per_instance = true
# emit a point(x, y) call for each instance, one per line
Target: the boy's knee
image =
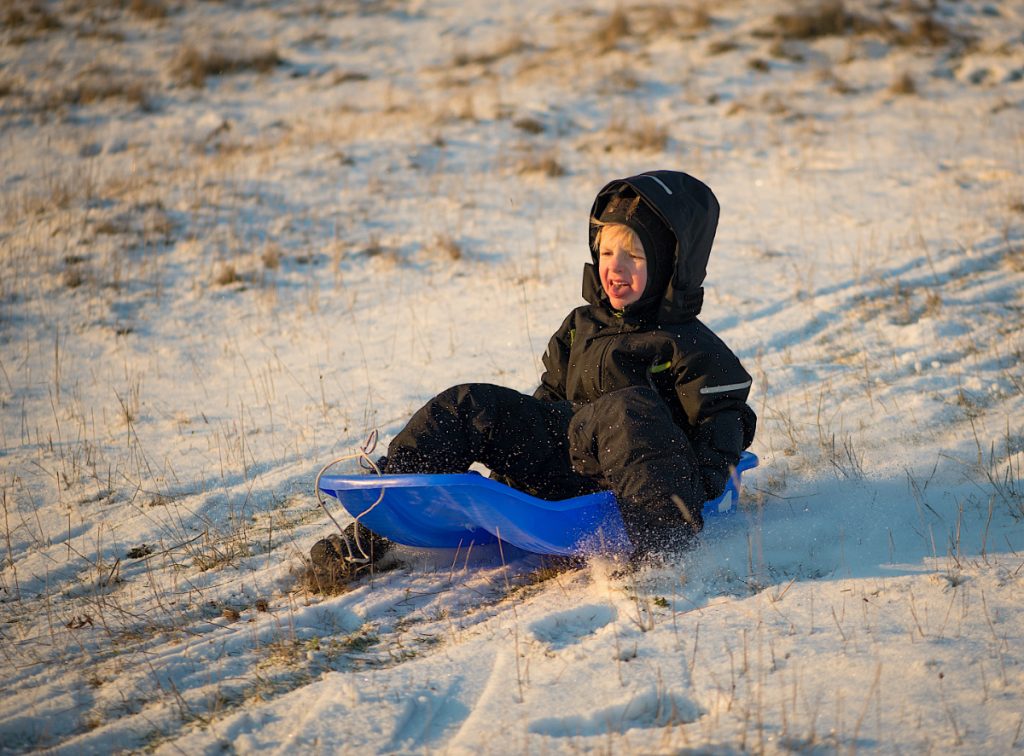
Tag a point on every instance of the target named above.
point(633, 402)
point(467, 403)
point(482, 395)
point(637, 410)
point(458, 393)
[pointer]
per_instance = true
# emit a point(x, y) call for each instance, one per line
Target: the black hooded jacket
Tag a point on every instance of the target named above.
point(658, 340)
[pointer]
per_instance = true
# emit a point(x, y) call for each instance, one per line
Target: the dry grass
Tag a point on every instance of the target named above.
point(8, 86)
point(529, 124)
point(226, 274)
point(617, 81)
point(642, 135)
point(546, 164)
point(832, 19)
point(191, 66)
point(903, 84)
point(148, 9)
point(446, 247)
point(611, 31)
point(26, 20)
point(492, 54)
point(698, 19)
point(58, 190)
point(1014, 258)
point(156, 223)
point(644, 22)
point(784, 49)
point(343, 77)
point(926, 31)
point(96, 83)
point(465, 110)
point(73, 276)
point(662, 19)
point(639, 135)
point(101, 83)
point(824, 19)
point(836, 84)
point(215, 552)
point(720, 46)
point(271, 256)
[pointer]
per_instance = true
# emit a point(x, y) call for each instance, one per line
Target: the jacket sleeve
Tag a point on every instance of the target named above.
point(556, 363)
point(713, 388)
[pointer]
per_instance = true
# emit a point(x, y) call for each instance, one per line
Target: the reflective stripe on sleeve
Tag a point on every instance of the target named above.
point(724, 389)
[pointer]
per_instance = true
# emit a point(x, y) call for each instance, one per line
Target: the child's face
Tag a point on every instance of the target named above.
point(622, 265)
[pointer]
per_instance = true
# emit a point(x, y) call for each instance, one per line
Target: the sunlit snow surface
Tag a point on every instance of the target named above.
point(213, 284)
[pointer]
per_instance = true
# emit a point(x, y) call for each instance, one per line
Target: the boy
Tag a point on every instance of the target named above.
point(637, 396)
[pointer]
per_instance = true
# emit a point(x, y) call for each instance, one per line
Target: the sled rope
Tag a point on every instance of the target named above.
point(363, 455)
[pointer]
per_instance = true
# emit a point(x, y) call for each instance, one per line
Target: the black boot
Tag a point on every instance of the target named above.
point(337, 560)
point(367, 464)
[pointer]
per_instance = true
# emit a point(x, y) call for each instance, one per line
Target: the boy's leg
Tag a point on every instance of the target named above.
point(522, 439)
point(516, 436)
point(628, 440)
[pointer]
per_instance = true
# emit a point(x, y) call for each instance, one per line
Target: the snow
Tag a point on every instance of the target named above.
point(211, 288)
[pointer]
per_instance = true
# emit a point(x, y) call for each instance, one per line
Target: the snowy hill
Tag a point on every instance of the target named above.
point(236, 238)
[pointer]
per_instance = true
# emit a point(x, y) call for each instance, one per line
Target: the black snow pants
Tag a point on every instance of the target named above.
point(624, 441)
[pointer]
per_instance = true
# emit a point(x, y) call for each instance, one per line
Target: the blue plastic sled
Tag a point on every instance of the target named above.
point(448, 511)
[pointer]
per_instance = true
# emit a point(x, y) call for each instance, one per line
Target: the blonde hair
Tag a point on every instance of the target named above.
point(635, 245)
